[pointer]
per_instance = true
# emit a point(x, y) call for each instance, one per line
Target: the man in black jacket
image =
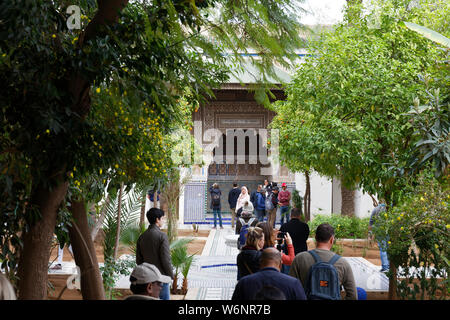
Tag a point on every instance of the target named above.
point(153, 247)
point(233, 195)
point(299, 232)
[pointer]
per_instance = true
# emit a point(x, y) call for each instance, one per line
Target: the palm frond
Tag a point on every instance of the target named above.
point(180, 243)
point(130, 235)
point(187, 265)
point(130, 213)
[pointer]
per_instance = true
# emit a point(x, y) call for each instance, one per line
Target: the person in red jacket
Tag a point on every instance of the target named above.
point(270, 239)
point(284, 199)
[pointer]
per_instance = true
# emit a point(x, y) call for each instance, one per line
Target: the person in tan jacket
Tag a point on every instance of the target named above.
point(153, 247)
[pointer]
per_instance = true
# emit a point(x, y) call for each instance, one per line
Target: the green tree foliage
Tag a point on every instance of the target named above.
point(419, 239)
point(96, 103)
point(432, 131)
point(345, 114)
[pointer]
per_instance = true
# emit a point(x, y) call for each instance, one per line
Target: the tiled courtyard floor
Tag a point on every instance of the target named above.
point(213, 273)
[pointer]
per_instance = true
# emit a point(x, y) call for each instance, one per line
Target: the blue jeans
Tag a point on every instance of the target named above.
point(284, 211)
point(383, 254)
point(260, 215)
point(217, 212)
point(164, 294)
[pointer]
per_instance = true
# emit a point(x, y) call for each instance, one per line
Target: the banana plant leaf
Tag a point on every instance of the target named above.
point(429, 34)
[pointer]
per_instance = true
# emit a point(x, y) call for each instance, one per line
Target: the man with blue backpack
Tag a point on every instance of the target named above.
point(322, 272)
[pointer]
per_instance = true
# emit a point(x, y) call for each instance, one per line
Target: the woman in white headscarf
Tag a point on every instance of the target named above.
point(243, 198)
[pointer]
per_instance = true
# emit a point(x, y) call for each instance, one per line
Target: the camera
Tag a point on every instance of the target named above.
point(280, 237)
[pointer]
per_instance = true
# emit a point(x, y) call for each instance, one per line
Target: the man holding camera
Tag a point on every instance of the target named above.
point(299, 232)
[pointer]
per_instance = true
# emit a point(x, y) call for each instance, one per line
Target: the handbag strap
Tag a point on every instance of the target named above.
point(245, 264)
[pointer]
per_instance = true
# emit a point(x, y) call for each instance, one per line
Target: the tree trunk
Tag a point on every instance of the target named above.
point(175, 283)
point(392, 295)
point(100, 220)
point(348, 201)
point(155, 199)
point(184, 287)
point(172, 223)
point(85, 255)
point(142, 217)
point(307, 198)
point(33, 264)
point(119, 209)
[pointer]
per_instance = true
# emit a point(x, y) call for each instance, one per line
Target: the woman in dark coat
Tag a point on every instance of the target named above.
point(248, 258)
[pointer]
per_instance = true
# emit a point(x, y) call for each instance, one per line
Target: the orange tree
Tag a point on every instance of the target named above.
point(49, 128)
point(418, 233)
point(347, 110)
point(136, 133)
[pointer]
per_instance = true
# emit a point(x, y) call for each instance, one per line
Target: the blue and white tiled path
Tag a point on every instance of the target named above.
point(213, 274)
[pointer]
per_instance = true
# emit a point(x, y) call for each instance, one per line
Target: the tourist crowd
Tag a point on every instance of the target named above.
point(272, 264)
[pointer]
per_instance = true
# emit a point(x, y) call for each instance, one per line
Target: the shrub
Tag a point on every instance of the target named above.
point(344, 226)
point(419, 245)
point(297, 200)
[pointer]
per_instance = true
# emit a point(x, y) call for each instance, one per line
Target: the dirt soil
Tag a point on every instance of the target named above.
point(356, 248)
point(194, 247)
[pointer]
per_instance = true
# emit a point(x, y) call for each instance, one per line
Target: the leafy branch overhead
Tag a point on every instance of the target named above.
point(90, 108)
point(346, 113)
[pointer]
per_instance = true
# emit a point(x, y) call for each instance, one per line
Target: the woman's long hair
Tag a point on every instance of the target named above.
point(268, 232)
point(254, 235)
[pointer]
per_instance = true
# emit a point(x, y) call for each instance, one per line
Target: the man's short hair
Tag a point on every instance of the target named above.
point(296, 212)
point(235, 184)
point(324, 232)
point(153, 214)
point(138, 288)
point(270, 254)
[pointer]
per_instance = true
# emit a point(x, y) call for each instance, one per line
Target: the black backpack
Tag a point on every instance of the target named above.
point(323, 279)
point(215, 198)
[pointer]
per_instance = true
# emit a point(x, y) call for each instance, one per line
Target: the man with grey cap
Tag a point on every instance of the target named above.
point(146, 282)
